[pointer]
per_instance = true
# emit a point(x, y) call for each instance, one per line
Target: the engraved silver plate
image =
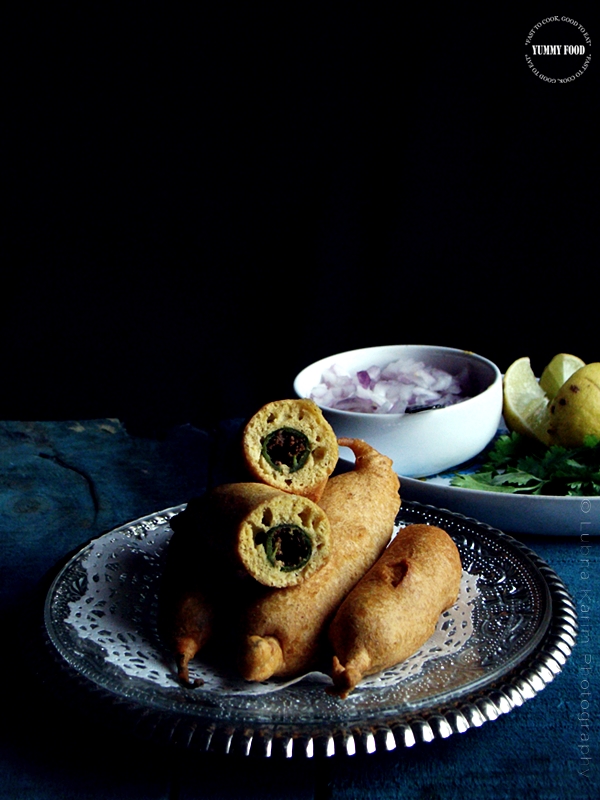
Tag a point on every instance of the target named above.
point(508, 636)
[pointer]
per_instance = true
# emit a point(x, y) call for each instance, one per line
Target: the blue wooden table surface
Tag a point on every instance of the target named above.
point(63, 483)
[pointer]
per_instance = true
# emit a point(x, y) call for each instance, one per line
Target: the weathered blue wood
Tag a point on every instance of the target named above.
point(62, 483)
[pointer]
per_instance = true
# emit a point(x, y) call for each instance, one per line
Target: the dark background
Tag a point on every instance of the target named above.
point(203, 202)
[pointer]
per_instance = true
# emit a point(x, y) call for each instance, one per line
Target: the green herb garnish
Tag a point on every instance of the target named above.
point(517, 464)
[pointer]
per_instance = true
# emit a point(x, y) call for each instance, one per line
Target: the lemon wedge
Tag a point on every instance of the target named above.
point(558, 372)
point(575, 411)
point(526, 406)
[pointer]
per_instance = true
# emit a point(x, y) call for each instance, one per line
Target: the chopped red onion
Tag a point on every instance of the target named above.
point(364, 379)
point(400, 385)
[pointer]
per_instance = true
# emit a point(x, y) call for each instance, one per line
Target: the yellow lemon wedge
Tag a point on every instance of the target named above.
point(575, 411)
point(558, 372)
point(526, 407)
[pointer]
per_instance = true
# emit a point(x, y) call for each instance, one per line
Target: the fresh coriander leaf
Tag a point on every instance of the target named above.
point(479, 481)
point(521, 479)
point(515, 463)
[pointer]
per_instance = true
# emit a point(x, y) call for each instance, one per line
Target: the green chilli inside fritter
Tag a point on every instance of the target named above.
point(288, 547)
point(286, 447)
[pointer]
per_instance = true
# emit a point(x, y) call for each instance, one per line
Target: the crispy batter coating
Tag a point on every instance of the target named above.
point(394, 608)
point(185, 611)
point(190, 628)
point(282, 631)
point(288, 444)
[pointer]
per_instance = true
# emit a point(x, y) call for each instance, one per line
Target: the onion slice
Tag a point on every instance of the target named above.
point(393, 389)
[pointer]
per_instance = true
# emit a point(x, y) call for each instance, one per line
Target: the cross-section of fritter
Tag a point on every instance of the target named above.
point(288, 444)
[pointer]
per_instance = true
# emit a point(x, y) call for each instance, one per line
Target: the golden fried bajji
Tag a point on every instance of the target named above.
point(283, 630)
point(185, 611)
point(279, 539)
point(395, 607)
point(234, 532)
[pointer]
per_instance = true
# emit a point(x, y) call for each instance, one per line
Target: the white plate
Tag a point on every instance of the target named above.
point(548, 515)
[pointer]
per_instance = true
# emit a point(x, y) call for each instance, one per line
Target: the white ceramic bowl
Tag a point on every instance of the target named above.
point(430, 441)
